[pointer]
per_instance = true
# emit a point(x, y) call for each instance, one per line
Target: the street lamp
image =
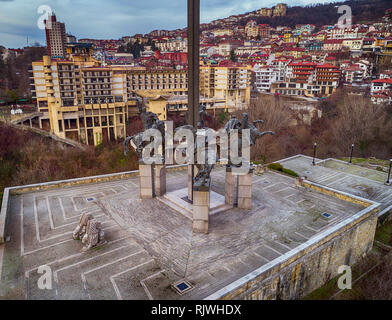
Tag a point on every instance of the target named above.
point(351, 155)
point(389, 172)
point(314, 153)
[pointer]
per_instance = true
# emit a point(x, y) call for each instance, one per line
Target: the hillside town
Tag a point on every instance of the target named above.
point(238, 58)
point(244, 158)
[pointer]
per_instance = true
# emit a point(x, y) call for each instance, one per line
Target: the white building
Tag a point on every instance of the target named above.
point(265, 76)
point(381, 85)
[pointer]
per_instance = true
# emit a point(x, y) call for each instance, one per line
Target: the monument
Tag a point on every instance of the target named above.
point(152, 176)
point(89, 230)
point(238, 184)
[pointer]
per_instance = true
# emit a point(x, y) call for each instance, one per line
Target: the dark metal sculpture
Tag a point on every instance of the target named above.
point(150, 121)
point(232, 124)
point(254, 132)
point(202, 115)
point(204, 169)
point(235, 124)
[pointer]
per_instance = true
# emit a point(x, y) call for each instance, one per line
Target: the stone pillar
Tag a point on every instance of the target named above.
point(201, 207)
point(160, 180)
point(190, 180)
point(230, 183)
point(146, 181)
point(245, 190)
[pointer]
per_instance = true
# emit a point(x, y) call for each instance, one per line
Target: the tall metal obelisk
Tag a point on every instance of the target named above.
point(193, 75)
point(193, 61)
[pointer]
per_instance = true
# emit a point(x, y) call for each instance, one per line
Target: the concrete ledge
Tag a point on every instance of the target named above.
point(85, 180)
point(3, 214)
point(298, 156)
point(337, 194)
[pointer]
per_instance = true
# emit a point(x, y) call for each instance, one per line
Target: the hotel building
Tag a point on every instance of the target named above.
point(82, 100)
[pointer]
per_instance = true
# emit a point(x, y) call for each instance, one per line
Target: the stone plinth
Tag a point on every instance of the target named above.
point(245, 190)
point(146, 181)
point(201, 207)
point(190, 180)
point(160, 180)
point(230, 183)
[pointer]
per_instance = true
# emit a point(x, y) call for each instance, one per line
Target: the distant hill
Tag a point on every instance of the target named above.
point(323, 14)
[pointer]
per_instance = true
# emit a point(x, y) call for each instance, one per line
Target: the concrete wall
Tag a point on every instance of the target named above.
point(312, 270)
point(313, 263)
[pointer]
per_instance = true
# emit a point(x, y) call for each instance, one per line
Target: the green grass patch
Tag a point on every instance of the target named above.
point(354, 160)
point(384, 233)
point(280, 168)
point(324, 292)
point(290, 172)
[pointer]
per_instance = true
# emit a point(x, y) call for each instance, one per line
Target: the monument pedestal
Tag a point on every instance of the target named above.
point(238, 188)
point(230, 183)
point(190, 180)
point(245, 190)
point(146, 181)
point(160, 180)
point(201, 207)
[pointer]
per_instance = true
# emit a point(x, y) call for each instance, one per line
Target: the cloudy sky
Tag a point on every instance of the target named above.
point(105, 19)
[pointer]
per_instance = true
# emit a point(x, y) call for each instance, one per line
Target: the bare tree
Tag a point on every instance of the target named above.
point(277, 117)
point(358, 121)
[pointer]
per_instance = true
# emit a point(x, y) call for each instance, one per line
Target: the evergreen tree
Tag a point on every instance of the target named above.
point(233, 56)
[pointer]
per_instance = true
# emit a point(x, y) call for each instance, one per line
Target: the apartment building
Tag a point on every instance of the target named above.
point(173, 45)
point(333, 45)
point(252, 29)
point(281, 66)
point(264, 31)
point(308, 79)
point(222, 32)
point(342, 33)
point(56, 37)
point(229, 81)
point(265, 76)
point(381, 91)
point(380, 85)
point(79, 98)
point(352, 74)
point(353, 44)
point(82, 100)
point(225, 47)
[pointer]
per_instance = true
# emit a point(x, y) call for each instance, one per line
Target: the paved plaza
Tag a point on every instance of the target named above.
point(150, 245)
point(339, 175)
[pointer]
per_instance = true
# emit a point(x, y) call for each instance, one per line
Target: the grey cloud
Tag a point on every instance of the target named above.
point(115, 18)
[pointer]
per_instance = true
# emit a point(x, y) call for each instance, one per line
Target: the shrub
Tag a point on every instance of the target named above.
point(275, 166)
point(279, 167)
point(290, 172)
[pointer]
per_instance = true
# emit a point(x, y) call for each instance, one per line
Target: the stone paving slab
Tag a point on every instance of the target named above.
point(349, 178)
point(150, 245)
